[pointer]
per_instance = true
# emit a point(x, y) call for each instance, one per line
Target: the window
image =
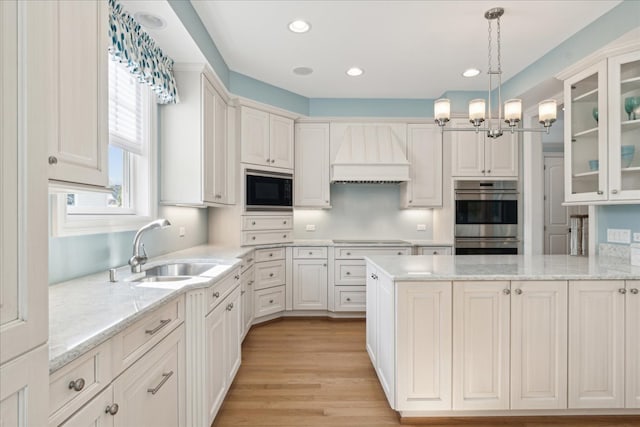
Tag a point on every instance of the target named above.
point(130, 158)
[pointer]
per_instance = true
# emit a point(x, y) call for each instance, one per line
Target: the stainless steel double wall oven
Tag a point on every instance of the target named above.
point(486, 217)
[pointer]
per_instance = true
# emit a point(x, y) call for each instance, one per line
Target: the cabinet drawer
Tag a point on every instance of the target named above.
point(266, 237)
point(268, 301)
point(350, 298)
point(137, 339)
point(257, 223)
point(247, 261)
point(220, 290)
point(310, 252)
point(269, 254)
point(269, 274)
point(350, 272)
point(361, 252)
point(74, 384)
point(434, 250)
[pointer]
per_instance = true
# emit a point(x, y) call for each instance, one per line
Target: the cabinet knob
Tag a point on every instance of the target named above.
point(216, 294)
point(399, 253)
point(410, 201)
point(634, 291)
point(348, 273)
point(273, 161)
point(77, 385)
point(482, 170)
point(268, 160)
point(270, 274)
point(435, 252)
point(348, 253)
point(489, 171)
point(236, 277)
point(506, 291)
point(250, 283)
point(518, 291)
point(270, 301)
point(253, 238)
point(614, 191)
point(53, 160)
point(284, 236)
point(271, 254)
point(310, 253)
point(218, 196)
point(622, 291)
point(348, 299)
point(284, 222)
point(250, 260)
point(230, 307)
point(253, 223)
point(324, 265)
point(112, 409)
point(600, 193)
point(242, 292)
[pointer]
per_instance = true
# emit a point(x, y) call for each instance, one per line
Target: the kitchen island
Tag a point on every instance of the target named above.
point(505, 335)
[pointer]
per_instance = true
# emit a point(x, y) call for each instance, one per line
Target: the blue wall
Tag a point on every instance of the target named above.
point(618, 216)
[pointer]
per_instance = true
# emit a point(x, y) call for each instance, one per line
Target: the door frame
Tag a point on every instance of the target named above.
point(545, 155)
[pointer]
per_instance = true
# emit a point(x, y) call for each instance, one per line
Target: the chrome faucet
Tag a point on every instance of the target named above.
point(139, 254)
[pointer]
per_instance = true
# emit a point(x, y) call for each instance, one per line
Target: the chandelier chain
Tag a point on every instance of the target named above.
point(489, 44)
point(499, 53)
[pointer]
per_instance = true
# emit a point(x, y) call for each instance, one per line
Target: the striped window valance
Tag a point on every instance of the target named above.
point(132, 46)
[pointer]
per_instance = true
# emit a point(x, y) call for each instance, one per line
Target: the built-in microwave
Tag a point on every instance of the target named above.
point(268, 191)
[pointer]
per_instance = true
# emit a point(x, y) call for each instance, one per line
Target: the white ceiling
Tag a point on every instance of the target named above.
point(408, 49)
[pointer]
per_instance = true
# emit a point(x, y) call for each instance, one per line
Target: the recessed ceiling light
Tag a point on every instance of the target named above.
point(355, 71)
point(302, 71)
point(299, 26)
point(471, 72)
point(149, 20)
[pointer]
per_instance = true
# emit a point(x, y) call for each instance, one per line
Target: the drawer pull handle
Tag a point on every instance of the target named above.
point(230, 307)
point(270, 301)
point(165, 378)
point(216, 294)
point(270, 274)
point(162, 324)
point(348, 299)
point(348, 273)
point(634, 291)
point(237, 277)
point(622, 291)
point(112, 409)
point(77, 385)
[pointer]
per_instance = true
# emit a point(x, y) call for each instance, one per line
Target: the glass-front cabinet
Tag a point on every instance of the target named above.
point(602, 131)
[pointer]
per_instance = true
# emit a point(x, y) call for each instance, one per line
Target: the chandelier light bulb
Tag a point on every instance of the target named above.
point(547, 112)
point(477, 108)
point(512, 111)
point(442, 111)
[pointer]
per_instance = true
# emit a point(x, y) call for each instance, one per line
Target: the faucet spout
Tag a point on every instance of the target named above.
point(139, 257)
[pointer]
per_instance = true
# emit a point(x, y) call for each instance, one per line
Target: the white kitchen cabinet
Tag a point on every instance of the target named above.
point(481, 345)
point(476, 155)
point(24, 312)
point(312, 166)
point(266, 139)
point(424, 346)
point(216, 374)
point(597, 128)
point(195, 148)
point(268, 301)
point(78, 35)
point(372, 316)
point(95, 413)
point(310, 284)
point(424, 152)
point(23, 397)
point(248, 279)
point(632, 347)
point(596, 344)
point(152, 392)
point(539, 345)
point(386, 329)
point(434, 250)
point(233, 307)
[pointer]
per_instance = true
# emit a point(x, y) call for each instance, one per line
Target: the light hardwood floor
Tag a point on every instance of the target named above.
point(316, 372)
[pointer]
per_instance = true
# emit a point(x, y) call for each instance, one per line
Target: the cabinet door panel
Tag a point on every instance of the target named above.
point(480, 345)
point(81, 73)
point(467, 153)
point(220, 169)
point(385, 328)
point(281, 141)
point(216, 378)
point(371, 313)
point(254, 134)
point(424, 346)
point(632, 374)
point(501, 155)
point(596, 344)
point(425, 155)
point(310, 285)
point(538, 345)
point(234, 334)
point(312, 165)
point(207, 100)
point(94, 413)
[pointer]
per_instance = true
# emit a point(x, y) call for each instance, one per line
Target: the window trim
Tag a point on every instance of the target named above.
point(63, 224)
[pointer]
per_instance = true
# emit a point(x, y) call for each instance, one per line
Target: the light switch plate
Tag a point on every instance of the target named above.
point(616, 235)
point(182, 231)
point(311, 227)
point(636, 237)
point(421, 227)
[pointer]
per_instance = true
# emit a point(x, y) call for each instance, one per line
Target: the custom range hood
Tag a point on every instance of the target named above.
point(370, 153)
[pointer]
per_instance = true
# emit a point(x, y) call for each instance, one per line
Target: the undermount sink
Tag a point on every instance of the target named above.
point(174, 272)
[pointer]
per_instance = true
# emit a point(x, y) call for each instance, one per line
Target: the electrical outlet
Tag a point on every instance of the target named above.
point(182, 231)
point(311, 227)
point(616, 235)
point(636, 237)
point(421, 227)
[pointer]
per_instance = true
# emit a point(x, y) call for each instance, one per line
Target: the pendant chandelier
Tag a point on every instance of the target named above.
point(547, 109)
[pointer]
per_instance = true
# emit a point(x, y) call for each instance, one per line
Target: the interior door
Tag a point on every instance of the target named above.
point(556, 216)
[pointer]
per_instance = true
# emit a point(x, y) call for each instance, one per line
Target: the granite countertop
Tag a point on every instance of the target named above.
point(504, 267)
point(87, 311)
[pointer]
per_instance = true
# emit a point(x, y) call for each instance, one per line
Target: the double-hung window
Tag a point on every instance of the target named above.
point(130, 200)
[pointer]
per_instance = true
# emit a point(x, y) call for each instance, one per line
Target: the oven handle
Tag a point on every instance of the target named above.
point(488, 239)
point(486, 196)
